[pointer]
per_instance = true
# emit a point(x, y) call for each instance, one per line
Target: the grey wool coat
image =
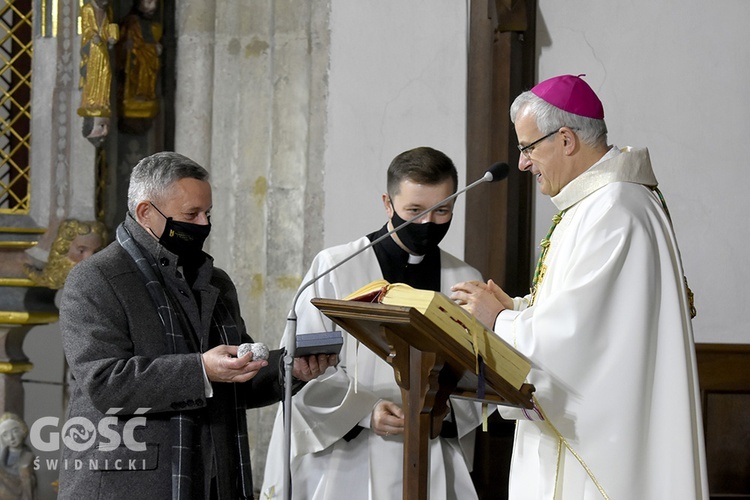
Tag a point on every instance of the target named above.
point(127, 384)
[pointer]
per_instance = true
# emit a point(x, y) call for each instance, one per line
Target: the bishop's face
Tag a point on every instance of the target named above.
point(546, 159)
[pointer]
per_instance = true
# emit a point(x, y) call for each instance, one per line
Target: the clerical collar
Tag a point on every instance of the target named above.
point(415, 259)
point(399, 266)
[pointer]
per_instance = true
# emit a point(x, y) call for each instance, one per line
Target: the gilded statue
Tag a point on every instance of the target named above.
point(98, 34)
point(75, 241)
point(138, 52)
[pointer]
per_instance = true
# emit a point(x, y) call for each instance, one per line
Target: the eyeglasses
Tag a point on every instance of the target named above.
point(526, 150)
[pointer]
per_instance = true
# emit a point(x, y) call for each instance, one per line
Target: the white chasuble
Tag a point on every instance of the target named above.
point(611, 339)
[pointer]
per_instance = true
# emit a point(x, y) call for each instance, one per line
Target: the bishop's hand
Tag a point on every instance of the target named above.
point(483, 300)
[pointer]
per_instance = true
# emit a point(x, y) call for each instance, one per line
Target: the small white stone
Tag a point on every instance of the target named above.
point(259, 350)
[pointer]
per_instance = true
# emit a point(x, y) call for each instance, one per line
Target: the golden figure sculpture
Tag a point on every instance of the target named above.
point(98, 33)
point(138, 53)
point(75, 241)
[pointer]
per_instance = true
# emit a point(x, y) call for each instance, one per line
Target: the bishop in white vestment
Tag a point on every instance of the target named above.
point(608, 322)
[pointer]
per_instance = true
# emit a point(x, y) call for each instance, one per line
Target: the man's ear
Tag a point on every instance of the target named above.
point(388, 205)
point(571, 143)
point(143, 213)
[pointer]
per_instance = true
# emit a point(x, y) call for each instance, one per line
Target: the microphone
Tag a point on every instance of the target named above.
point(497, 172)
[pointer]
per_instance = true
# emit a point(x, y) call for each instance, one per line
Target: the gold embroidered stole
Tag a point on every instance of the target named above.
point(541, 268)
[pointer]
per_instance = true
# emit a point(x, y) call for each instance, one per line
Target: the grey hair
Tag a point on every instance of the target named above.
point(152, 176)
point(550, 118)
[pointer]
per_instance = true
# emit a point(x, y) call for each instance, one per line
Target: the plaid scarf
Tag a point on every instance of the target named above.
point(183, 427)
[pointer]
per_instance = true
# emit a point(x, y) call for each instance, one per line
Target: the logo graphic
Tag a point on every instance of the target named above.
point(80, 434)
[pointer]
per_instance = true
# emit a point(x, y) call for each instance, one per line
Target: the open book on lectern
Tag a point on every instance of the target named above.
point(452, 319)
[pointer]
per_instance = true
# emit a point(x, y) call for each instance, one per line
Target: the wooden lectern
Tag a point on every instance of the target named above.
point(428, 365)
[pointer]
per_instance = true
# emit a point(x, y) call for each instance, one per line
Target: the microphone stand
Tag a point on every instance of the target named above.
point(291, 325)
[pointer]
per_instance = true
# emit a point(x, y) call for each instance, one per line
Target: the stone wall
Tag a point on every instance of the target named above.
point(251, 107)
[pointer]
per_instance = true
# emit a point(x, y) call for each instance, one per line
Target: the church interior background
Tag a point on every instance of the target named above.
point(88, 87)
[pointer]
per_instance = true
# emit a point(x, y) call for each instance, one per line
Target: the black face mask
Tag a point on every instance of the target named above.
point(184, 239)
point(419, 238)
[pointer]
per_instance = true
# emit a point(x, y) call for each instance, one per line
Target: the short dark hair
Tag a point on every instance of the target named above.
point(153, 175)
point(423, 165)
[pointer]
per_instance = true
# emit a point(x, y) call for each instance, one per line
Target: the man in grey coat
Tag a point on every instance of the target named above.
point(150, 329)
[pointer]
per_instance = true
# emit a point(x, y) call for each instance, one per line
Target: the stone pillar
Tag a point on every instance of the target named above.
point(62, 160)
point(194, 70)
point(251, 107)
